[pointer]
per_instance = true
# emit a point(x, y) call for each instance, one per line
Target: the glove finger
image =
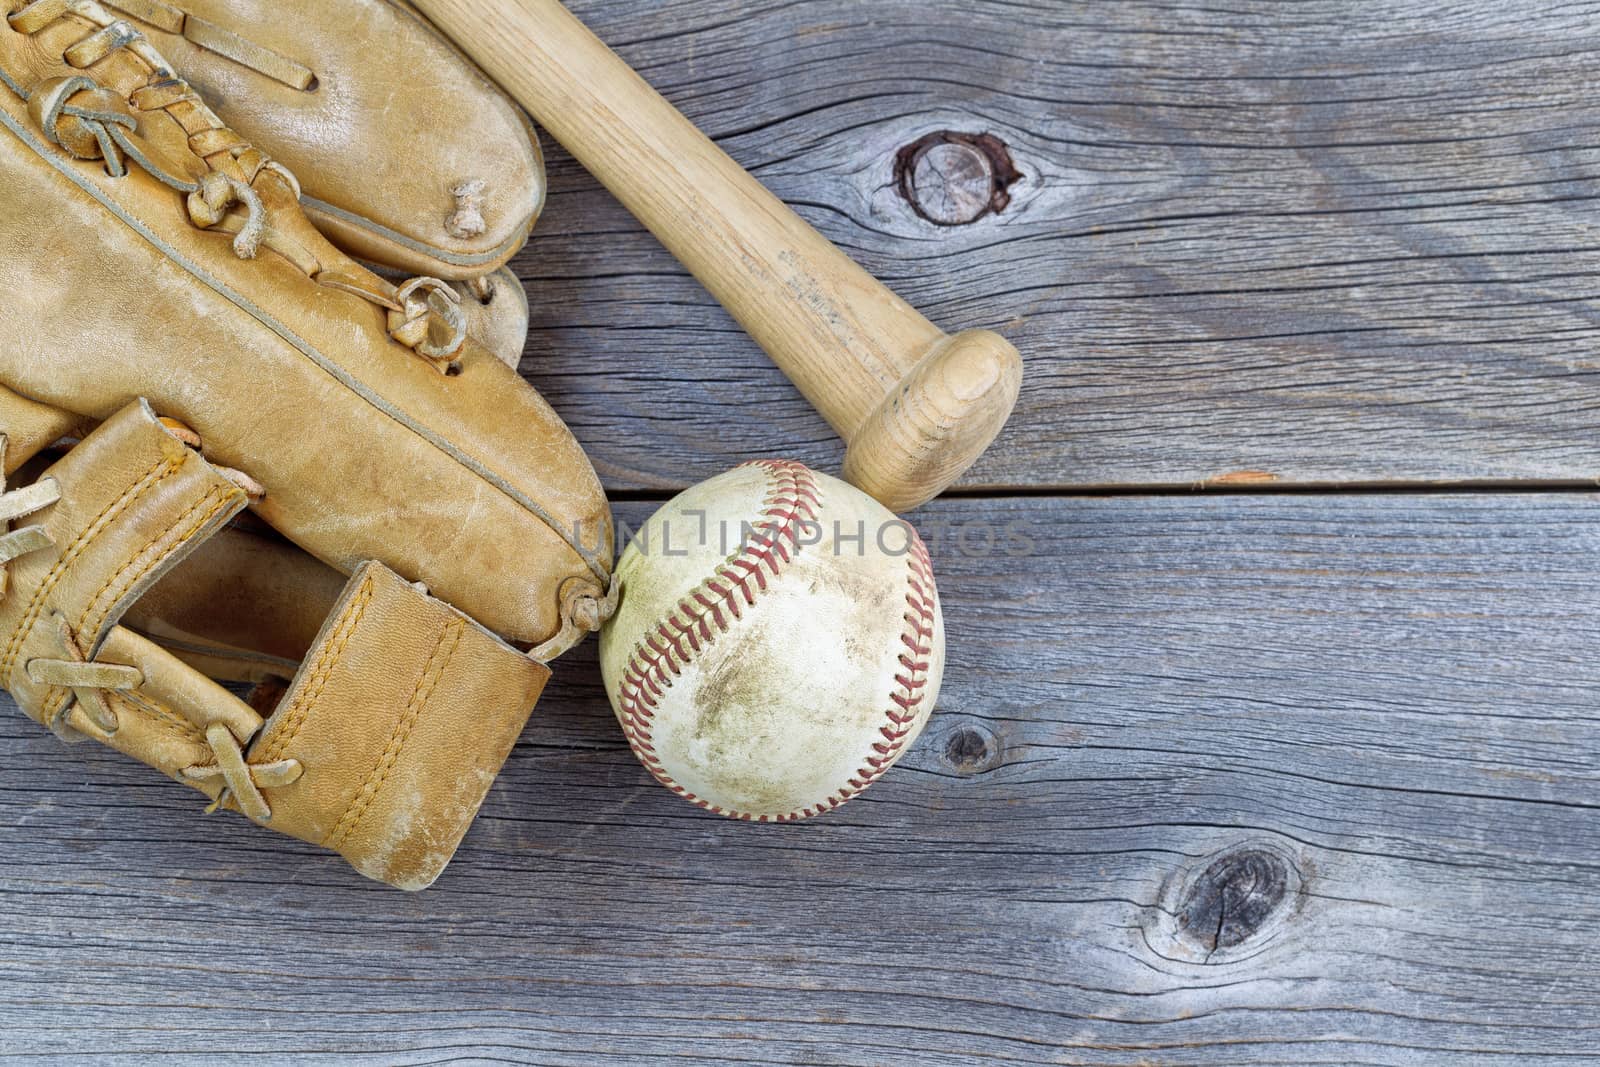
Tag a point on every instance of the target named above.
point(497, 314)
point(376, 431)
point(409, 157)
point(245, 606)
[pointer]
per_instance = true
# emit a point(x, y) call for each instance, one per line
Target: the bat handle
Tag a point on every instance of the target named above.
point(917, 406)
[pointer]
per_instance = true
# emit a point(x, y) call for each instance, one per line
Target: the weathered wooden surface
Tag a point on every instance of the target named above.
point(1383, 708)
point(1331, 241)
point(1215, 780)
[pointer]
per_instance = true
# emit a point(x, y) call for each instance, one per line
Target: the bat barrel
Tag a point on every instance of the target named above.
point(916, 406)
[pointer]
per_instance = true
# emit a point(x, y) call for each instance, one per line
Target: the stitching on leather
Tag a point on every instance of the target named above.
point(222, 500)
point(61, 695)
point(160, 712)
point(296, 717)
point(661, 655)
point(905, 705)
point(52, 704)
point(155, 710)
point(438, 663)
point(56, 700)
point(96, 526)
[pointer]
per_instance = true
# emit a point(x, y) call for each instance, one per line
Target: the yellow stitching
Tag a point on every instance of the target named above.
point(397, 740)
point(186, 729)
point(79, 544)
point(83, 620)
point(52, 704)
point(55, 701)
point(152, 477)
point(295, 717)
point(138, 701)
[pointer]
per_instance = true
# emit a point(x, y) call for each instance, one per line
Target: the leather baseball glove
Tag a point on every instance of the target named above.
point(176, 313)
point(410, 159)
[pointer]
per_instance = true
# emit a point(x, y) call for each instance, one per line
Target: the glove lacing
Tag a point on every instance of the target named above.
point(92, 122)
point(19, 504)
point(90, 680)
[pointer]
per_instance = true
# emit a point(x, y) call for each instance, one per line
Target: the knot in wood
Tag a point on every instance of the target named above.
point(952, 178)
point(970, 747)
point(1233, 898)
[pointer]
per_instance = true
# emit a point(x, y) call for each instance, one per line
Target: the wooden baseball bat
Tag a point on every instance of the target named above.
point(916, 405)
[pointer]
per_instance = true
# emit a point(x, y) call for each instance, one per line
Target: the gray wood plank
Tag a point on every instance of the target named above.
point(1373, 720)
point(1326, 242)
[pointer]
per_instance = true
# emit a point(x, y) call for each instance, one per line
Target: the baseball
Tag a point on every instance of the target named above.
point(778, 644)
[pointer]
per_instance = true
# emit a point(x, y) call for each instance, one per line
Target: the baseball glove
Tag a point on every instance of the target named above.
point(177, 314)
point(410, 158)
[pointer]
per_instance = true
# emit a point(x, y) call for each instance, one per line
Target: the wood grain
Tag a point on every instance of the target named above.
point(1214, 780)
point(916, 405)
point(1329, 242)
point(1244, 779)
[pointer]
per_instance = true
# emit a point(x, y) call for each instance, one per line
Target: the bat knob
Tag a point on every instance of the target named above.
point(937, 421)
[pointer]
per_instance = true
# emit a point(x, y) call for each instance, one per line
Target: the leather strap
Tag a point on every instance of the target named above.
point(134, 500)
point(402, 715)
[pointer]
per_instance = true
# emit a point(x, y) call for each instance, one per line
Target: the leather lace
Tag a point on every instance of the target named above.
point(93, 122)
point(87, 679)
point(91, 680)
point(18, 504)
point(241, 780)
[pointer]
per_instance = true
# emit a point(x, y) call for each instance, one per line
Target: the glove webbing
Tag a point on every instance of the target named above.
point(94, 122)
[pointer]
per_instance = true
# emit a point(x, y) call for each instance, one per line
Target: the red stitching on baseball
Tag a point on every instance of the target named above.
point(918, 639)
point(657, 660)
